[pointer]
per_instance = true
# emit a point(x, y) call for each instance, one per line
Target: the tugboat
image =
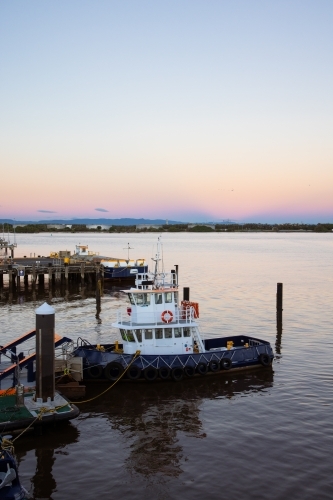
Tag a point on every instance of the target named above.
point(161, 338)
point(10, 486)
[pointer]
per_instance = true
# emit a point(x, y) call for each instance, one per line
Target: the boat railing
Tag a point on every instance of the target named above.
point(151, 280)
point(180, 316)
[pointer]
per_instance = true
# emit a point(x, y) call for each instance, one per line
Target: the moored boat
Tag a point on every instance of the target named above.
point(161, 338)
point(10, 486)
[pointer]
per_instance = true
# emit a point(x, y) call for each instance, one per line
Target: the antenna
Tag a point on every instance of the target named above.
point(157, 256)
point(128, 248)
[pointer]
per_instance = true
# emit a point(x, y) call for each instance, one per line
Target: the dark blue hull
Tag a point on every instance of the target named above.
point(123, 273)
point(110, 365)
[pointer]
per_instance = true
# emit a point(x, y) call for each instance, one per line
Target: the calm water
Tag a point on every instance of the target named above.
point(265, 434)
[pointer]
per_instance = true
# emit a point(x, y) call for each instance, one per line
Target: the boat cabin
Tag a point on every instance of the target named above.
point(155, 323)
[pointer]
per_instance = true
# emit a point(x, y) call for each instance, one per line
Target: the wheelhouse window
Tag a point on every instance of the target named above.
point(142, 299)
point(127, 335)
point(168, 297)
point(158, 298)
point(130, 296)
point(148, 334)
point(176, 297)
point(159, 333)
point(168, 333)
point(177, 332)
point(187, 332)
point(138, 334)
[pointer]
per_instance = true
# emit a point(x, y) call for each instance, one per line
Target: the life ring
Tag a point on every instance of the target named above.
point(150, 373)
point(164, 372)
point(113, 370)
point(134, 372)
point(214, 365)
point(202, 368)
point(264, 359)
point(189, 371)
point(225, 363)
point(166, 316)
point(177, 373)
point(95, 371)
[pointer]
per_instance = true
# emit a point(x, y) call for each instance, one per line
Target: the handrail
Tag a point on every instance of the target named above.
point(181, 316)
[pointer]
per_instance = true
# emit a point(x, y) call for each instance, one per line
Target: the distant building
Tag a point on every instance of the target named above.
point(58, 226)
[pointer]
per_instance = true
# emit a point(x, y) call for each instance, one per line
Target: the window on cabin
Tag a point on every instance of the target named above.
point(176, 297)
point(130, 336)
point(138, 334)
point(142, 299)
point(177, 332)
point(148, 334)
point(158, 298)
point(123, 334)
point(130, 296)
point(168, 333)
point(159, 333)
point(168, 297)
point(187, 332)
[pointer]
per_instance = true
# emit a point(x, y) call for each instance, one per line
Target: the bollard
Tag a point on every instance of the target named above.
point(45, 352)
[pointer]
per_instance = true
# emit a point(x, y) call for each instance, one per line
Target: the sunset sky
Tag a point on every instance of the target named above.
point(189, 110)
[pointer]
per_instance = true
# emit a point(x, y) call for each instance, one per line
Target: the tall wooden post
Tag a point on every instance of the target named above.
point(98, 294)
point(279, 302)
point(45, 352)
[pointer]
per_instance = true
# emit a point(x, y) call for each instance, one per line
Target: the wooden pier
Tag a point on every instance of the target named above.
point(22, 271)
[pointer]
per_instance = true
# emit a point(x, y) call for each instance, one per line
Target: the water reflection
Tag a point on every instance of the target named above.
point(52, 442)
point(153, 417)
point(41, 291)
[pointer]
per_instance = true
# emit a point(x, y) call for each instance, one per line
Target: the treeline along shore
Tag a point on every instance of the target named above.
point(171, 228)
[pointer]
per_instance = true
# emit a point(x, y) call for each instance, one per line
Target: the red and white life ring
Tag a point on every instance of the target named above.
point(167, 316)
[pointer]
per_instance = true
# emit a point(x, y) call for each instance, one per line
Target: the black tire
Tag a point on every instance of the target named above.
point(134, 372)
point(189, 371)
point(225, 364)
point(150, 373)
point(202, 368)
point(265, 359)
point(113, 370)
point(164, 373)
point(177, 373)
point(214, 365)
point(95, 371)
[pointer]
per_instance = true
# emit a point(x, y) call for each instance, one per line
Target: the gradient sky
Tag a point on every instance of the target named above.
point(189, 110)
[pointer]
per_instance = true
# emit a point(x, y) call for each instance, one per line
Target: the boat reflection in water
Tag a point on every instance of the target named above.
point(151, 417)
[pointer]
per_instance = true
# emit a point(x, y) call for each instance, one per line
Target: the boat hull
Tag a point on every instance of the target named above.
point(123, 273)
point(110, 365)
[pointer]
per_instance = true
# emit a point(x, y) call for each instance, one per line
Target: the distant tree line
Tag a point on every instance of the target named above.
point(174, 228)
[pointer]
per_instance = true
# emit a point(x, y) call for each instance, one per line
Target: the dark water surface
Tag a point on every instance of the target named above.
point(263, 434)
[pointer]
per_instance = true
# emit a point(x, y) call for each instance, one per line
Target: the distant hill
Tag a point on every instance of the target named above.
point(110, 222)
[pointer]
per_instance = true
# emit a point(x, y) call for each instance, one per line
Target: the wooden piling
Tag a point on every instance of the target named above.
point(10, 276)
point(98, 294)
point(33, 276)
point(279, 303)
